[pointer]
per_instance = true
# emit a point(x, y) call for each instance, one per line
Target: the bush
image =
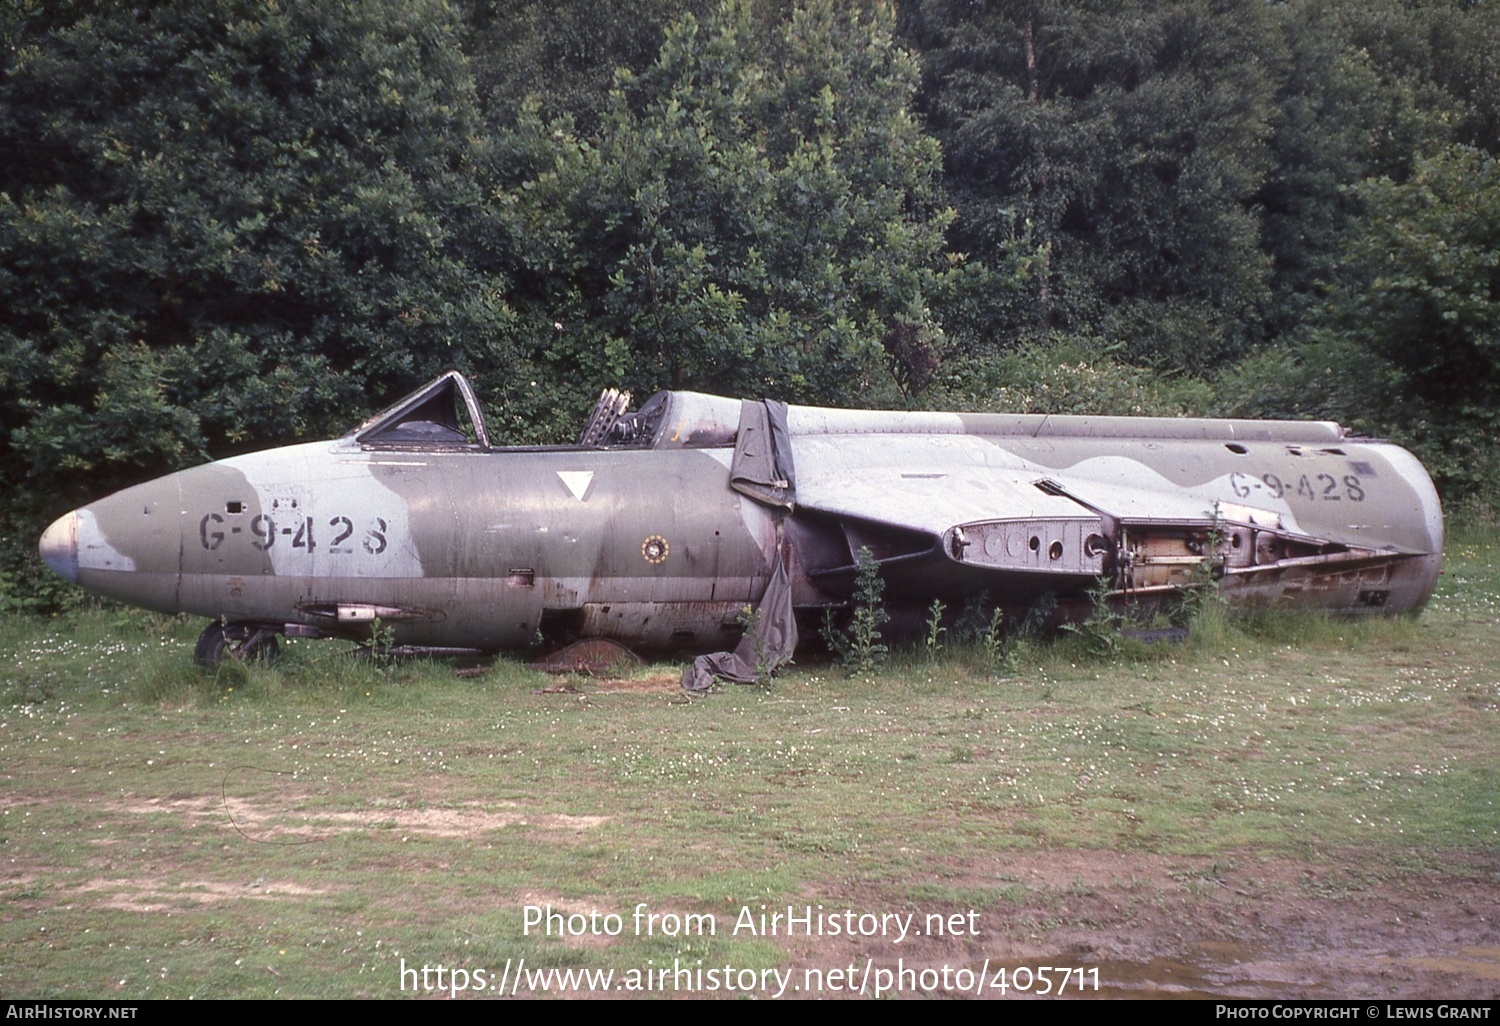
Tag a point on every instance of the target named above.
point(1075, 375)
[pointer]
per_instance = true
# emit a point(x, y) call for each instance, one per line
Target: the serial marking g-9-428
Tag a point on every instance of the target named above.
point(659, 527)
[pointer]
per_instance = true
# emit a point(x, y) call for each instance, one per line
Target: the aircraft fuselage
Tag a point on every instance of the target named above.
point(663, 527)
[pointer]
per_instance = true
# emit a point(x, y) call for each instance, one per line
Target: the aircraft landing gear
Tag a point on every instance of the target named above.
point(240, 641)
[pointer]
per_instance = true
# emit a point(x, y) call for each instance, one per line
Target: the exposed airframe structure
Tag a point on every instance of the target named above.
point(659, 527)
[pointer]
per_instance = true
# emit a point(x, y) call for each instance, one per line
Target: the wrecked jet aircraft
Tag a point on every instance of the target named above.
point(659, 527)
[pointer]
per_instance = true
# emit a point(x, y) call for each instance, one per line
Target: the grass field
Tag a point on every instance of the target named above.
point(1279, 808)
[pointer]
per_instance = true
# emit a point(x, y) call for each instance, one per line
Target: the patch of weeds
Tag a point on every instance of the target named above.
point(305, 667)
point(765, 652)
point(998, 648)
point(1314, 628)
point(819, 843)
point(1200, 606)
point(175, 680)
point(129, 622)
point(178, 681)
point(1014, 894)
point(973, 621)
point(1337, 884)
point(27, 689)
point(1197, 884)
point(932, 641)
point(363, 671)
point(1038, 615)
point(860, 648)
point(229, 675)
point(382, 640)
point(1413, 862)
point(1102, 633)
point(1200, 888)
point(1077, 888)
point(1000, 643)
point(961, 897)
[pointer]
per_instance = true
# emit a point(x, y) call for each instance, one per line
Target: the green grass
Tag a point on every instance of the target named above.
point(301, 828)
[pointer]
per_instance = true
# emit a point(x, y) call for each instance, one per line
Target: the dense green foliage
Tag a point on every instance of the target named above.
point(757, 210)
point(231, 223)
point(223, 224)
point(1123, 140)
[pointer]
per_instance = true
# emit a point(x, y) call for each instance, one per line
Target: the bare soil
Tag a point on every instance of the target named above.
point(1329, 927)
point(255, 823)
point(1162, 927)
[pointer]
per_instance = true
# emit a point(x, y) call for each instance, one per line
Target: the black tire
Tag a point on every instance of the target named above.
point(242, 642)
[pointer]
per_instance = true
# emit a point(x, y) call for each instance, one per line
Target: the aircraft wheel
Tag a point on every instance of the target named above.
point(238, 641)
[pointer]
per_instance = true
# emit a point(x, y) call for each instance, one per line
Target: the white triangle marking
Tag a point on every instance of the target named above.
point(577, 481)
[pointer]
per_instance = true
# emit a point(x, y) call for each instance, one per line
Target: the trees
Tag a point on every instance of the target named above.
point(1408, 343)
point(1124, 142)
point(223, 222)
point(1363, 91)
point(1377, 213)
point(563, 54)
point(756, 211)
point(1427, 255)
point(1425, 296)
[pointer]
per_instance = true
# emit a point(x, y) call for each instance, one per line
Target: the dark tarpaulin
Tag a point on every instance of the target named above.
point(766, 647)
point(762, 469)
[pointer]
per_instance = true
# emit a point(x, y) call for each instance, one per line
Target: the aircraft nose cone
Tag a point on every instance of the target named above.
point(59, 547)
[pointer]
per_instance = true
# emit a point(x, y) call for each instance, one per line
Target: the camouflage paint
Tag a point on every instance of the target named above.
point(463, 545)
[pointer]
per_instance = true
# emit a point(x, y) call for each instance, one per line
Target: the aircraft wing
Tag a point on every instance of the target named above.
point(1027, 514)
point(921, 483)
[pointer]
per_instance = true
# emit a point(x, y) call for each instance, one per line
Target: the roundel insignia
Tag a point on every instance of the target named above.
point(655, 549)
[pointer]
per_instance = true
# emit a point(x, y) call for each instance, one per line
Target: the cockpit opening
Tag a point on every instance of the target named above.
point(443, 414)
